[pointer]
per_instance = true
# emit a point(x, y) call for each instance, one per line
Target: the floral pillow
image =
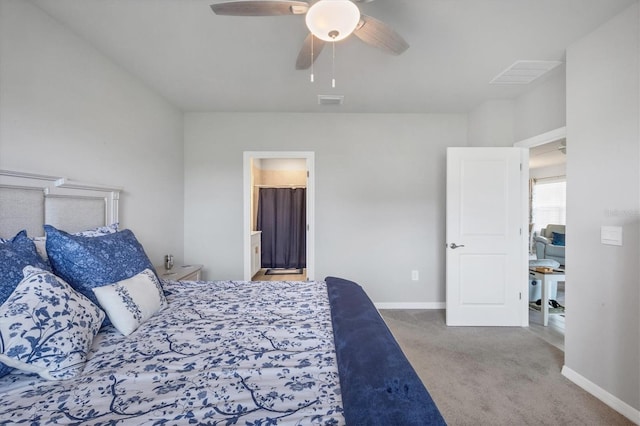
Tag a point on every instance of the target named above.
point(41, 242)
point(131, 302)
point(15, 254)
point(89, 262)
point(99, 231)
point(25, 247)
point(46, 327)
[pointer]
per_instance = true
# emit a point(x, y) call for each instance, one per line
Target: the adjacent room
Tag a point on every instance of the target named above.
point(548, 214)
point(253, 165)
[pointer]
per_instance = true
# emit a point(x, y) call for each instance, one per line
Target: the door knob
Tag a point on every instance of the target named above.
point(455, 246)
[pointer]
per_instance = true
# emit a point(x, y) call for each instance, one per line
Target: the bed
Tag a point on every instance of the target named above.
point(98, 339)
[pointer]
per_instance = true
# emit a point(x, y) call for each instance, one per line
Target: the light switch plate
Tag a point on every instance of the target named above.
point(611, 235)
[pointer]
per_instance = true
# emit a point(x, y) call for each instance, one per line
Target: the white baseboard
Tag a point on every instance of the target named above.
point(411, 305)
point(604, 396)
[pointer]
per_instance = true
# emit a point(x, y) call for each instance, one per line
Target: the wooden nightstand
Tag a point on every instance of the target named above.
point(180, 272)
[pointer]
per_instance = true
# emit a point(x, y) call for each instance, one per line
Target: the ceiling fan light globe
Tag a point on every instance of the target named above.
point(328, 17)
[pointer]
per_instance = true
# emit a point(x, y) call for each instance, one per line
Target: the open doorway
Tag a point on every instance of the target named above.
point(547, 220)
point(548, 199)
point(278, 190)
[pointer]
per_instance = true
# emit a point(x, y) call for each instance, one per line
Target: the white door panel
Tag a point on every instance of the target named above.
point(474, 200)
point(486, 210)
point(471, 267)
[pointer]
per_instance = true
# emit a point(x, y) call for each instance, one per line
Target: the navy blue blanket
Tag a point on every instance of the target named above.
point(378, 385)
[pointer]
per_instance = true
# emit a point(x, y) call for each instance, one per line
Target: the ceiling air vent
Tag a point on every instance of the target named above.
point(524, 72)
point(330, 99)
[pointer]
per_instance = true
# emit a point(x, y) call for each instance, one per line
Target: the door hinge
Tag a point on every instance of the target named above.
point(520, 231)
point(307, 173)
point(307, 227)
point(520, 296)
point(520, 166)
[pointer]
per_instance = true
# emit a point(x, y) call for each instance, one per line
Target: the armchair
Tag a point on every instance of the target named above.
point(545, 247)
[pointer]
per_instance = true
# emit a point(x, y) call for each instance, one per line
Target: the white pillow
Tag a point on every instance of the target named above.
point(41, 246)
point(129, 303)
point(46, 327)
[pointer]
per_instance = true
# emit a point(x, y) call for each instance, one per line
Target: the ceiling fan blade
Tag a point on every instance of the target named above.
point(305, 58)
point(260, 8)
point(380, 35)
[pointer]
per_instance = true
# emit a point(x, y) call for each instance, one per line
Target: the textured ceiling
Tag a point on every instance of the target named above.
point(204, 62)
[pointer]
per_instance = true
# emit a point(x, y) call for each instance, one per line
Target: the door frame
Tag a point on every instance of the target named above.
point(309, 156)
point(541, 139)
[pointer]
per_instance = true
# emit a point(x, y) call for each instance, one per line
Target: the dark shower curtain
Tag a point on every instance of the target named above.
point(282, 218)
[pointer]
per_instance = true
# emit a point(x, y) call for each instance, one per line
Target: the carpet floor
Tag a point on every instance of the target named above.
point(493, 375)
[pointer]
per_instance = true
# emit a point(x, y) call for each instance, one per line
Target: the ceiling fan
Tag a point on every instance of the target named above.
point(327, 20)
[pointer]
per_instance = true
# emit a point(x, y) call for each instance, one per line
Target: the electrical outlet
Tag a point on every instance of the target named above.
point(414, 275)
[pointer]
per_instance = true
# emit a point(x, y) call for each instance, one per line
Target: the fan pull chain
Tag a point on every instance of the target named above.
point(312, 37)
point(333, 65)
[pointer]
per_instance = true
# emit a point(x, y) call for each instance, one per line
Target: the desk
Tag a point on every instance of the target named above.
point(546, 278)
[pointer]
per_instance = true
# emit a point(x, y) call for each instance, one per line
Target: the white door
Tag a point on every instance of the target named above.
point(486, 240)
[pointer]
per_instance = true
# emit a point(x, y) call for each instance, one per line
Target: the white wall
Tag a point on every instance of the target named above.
point(492, 123)
point(502, 122)
point(380, 194)
point(67, 110)
point(281, 163)
point(543, 108)
point(603, 182)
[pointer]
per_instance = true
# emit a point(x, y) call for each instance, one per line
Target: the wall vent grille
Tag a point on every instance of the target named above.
point(330, 99)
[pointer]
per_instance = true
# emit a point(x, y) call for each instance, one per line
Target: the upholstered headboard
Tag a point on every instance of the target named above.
point(28, 201)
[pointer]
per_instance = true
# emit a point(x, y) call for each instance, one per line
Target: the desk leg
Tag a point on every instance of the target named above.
point(545, 300)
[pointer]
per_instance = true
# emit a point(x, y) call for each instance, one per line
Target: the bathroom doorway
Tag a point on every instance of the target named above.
point(290, 170)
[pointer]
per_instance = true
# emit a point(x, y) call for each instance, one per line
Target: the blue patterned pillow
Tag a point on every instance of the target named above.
point(15, 254)
point(46, 327)
point(557, 239)
point(11, 265)
point(89, 262)
point(24, 246)
point(41, 242)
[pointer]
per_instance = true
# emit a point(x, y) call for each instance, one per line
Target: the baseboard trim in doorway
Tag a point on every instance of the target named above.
point(284, 271)
point(410, 305)
point(604, 396)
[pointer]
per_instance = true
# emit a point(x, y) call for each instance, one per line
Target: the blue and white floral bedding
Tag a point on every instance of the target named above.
point(221, 353)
